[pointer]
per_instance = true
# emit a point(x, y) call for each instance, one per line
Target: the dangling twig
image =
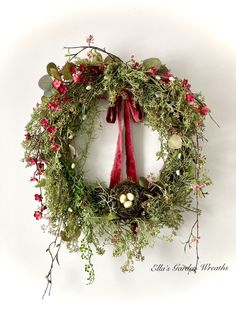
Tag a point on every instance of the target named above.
point(54, 257)
point(195, 237)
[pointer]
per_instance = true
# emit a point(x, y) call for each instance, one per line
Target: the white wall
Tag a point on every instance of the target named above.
point(196, 39)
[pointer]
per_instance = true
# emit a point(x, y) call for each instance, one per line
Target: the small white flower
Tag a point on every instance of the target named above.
point(88, 87)
point(171, 78)
point(70, 210)
point(177, 172)
point(73, 166)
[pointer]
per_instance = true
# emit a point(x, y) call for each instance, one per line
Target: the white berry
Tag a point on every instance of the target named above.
point(130, 196)
point(73, 166)
point(128, 204)
point(122, 198)
point(88, 87)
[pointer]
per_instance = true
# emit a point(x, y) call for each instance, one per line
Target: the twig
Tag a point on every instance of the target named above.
point(192, 237)
point(213, 120)
point(53, 259)
point(82, 48)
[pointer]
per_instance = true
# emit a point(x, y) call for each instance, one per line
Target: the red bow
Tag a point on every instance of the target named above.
point(137, 115)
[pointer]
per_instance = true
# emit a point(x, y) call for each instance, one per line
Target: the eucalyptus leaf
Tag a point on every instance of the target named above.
point(66, 70)
point(175, 141)
point(50, 92)
point(55, 73)
point(151, 62)
point(45, 83)
point(50, 66)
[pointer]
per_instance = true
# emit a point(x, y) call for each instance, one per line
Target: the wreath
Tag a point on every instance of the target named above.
point(128, 214)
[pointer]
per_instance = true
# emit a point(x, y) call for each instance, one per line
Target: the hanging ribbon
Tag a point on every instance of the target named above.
point(137, 115)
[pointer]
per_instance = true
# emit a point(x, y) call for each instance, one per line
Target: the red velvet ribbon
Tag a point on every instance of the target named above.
point(137, 115)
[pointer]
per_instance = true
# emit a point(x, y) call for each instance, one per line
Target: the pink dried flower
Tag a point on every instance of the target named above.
point(44, 122)
point(204, 110)
point(190, 97)
point(198, 186)
point(62, 89)
point(53, 106)
point(38, 215)
point(185, 85)
point(51, 129)
point(27, 137)
point(33, 179)
point(152, 70)
point(40, 166)
point(135, 64)
point(82, 68)
point(32, 161)
point(90, 39)
point(54, 147)
point(79, 78)
point(43, 207)
point(38, 197)
point(56, 83)
point(167, 77)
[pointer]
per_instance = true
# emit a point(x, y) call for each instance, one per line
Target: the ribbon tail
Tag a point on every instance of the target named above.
point(130, 159)
point(136, 112)
point(116, 171)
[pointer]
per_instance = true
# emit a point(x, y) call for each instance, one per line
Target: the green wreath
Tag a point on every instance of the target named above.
point(128, 214)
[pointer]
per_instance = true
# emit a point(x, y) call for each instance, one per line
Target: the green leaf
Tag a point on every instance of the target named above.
point(66, 71)
point(50, 66)
point(110, 59)
point(175, 141)
point(97, 58)
point(50, 92)
point(64, 236)
point(45, 83)
point(84, 61)
point(111, 216)
point(41, 183)
point(151, 62)
point(143, 182)
point(55, 73)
